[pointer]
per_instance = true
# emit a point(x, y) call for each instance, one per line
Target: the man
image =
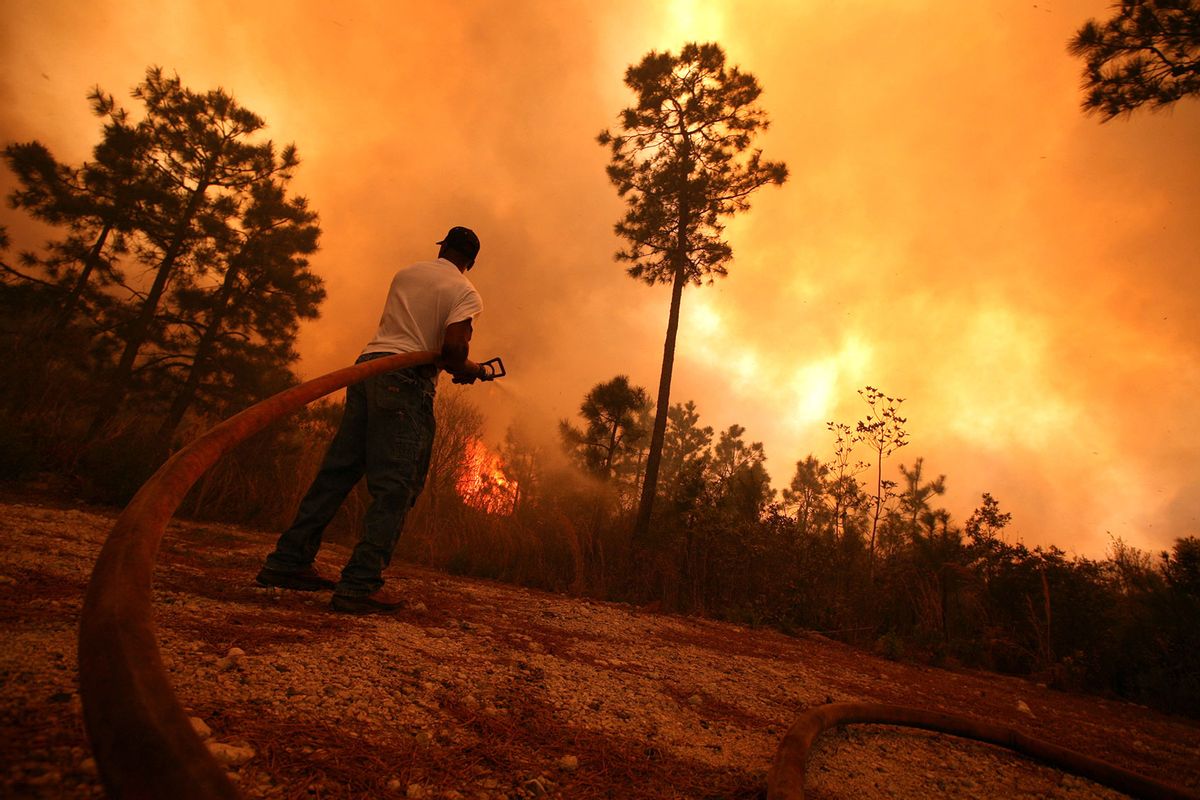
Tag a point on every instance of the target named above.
point(386, 430)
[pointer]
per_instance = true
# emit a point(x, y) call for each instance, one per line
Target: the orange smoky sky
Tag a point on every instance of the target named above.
point(955, 231)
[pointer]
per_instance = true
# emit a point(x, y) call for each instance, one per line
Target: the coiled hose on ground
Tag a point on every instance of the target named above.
point(786, 779)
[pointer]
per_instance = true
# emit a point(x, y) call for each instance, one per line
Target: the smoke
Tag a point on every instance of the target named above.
point(954, 231)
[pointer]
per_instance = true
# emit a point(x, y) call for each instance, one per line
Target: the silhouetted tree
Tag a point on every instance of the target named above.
point(178, 270)
point(1182, 566)
point(987, 521)
point(199, 147)
point(883, 431)
point(806, 493)
point(843, 487)
point(683, 163)
point(916, 494)
point(685, 455)
point(250, 318)
point(524, 463)
point(96, 203)
point(740, 483)
point(1148, 53)
point(614, 412)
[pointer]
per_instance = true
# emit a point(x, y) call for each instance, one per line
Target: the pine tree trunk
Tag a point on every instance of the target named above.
point(89, 266)
point(875, 519)
point(658, 433)
point(612, 450)
point(140, 331)
point(641, 528)
point(201, 360)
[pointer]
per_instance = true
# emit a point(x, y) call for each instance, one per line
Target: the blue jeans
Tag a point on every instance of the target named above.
point(386, 433)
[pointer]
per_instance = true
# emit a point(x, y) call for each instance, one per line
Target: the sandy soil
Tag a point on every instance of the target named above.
point(482, 690)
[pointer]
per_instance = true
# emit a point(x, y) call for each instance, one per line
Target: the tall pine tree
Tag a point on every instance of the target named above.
point(682, 160)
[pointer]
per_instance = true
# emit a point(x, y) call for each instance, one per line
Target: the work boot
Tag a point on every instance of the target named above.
point(303, 580)
point(380, 602)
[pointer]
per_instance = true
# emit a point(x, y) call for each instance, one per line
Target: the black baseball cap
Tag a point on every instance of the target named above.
point(463, 240)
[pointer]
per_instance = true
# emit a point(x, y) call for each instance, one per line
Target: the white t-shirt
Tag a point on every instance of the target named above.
point(424, 298)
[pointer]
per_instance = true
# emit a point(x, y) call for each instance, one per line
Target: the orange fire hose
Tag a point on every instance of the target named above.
point(142, 740)
point(786, 779)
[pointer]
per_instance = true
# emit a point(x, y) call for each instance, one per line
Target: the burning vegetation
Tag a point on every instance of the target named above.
point(482, 483)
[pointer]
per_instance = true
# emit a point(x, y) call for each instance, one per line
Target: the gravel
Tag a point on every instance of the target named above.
point(486, 691)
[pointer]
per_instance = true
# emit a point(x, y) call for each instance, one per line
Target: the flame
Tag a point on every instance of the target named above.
point(482, 482)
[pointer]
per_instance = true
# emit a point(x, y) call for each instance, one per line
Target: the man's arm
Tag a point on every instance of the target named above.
point(455, 347)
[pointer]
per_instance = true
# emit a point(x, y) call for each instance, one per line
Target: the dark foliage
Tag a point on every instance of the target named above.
point(1148, 54)
point(171, 293)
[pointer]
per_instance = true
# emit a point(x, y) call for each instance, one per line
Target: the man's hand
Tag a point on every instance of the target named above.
point(468, 376)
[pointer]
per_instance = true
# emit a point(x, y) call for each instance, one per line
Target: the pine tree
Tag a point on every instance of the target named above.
point(608, 446)
point(683, 162)
point(1148, 53)
point(200, 149)
point(246, 323)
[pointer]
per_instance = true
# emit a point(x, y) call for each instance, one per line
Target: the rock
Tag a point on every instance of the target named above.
point(568, 763)
point(1023, 707)
point(88, 765)
point(230, 755)
point(415, 790)
point(48, 778)
point(535, 787)
point(695, 700)
point(393, 785)
point(235, 652)
point(200, 727)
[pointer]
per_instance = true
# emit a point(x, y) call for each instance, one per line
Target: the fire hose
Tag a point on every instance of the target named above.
point(144, 744)
point(786, 779)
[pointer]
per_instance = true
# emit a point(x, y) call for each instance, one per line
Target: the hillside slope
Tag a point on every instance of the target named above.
point(481, 690)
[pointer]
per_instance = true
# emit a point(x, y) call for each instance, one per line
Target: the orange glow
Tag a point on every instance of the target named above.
point(482, 482)
point(955, 230)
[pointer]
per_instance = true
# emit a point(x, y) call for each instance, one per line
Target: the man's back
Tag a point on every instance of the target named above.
point(423, 300)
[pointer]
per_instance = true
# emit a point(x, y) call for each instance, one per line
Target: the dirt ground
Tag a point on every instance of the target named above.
point(482, 690)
